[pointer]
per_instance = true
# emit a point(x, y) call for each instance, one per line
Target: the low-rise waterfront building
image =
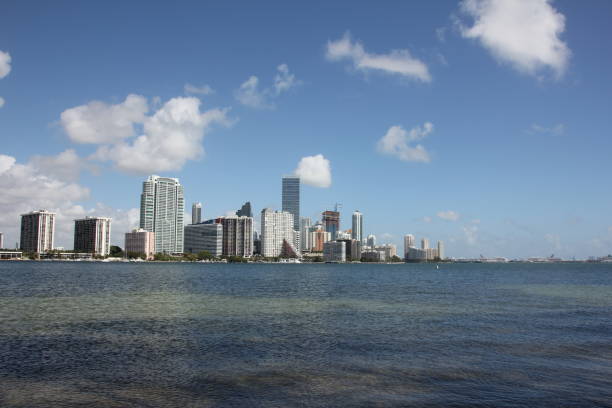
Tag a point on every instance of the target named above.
point(140, 241)
point(334, 251)
point(204, 237)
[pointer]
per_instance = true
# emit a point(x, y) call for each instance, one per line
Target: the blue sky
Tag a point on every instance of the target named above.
point(509, 101)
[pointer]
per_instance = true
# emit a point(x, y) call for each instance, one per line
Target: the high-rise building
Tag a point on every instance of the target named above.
point(237, 236)
point(440, 249)
point(334, 251)
point(140, 241)
point(37, 231)
point(204, 237)
point(353, 249)
point(331, 222)
point(424, 243)
point(371, 240)
point(92, 235)
point(276, 227)
point(357, 227)
point(196, 213)
point(408, 243)
point(162, 206)
point(245, 210)
point(291, 198)
point(305, 225)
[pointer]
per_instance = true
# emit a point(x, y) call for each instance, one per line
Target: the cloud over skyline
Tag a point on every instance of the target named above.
point(170, 137)
point(398, 62)
point(314, 171)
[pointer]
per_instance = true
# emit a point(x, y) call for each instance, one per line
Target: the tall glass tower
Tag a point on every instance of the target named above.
point(357, 230)
point(291, 199)
point(162, 205)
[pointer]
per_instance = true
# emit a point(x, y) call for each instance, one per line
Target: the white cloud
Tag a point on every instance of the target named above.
point(426, 219)
point(398, 142)
point(5, 64)
point(448, 215)
point(5, 68)
point(398, 62)
point(249, 93)
point(98, 122)
point(201, 90)
point(556, 130)
point(172, 136)
point(25, 188)
point(524, 33)
point(314, 171)
point(65, 166)
point(283, 81)
point(30, 186)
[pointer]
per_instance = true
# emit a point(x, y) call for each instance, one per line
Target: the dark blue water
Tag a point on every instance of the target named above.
point(198, 335)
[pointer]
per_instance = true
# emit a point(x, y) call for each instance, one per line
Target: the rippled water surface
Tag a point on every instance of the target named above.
point(198, 335)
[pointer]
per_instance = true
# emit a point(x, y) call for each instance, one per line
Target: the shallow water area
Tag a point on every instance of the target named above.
point(198, 335)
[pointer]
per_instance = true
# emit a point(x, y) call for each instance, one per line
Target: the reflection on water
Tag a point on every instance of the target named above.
point(186, 335)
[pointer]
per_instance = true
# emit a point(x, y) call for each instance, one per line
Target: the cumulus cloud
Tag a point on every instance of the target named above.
point(398, 142)
point(523, 33)
point(249, 93)
point(31, 186)
point(201, 90)
point(98, 122)
point(314, 171)
point(398, 62)
point(555, 130)
point(448, 215)
point(25, 188)
point(67, 165)
point(170, 137)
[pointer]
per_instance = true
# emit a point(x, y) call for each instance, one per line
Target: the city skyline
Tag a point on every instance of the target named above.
point(495, 151)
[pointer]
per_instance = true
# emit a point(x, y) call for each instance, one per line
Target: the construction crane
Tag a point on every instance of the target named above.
point(337, 207)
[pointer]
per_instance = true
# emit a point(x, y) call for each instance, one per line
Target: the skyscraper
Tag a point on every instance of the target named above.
point(162, 205)
point(305, 224)
point(408, 243)
point(331, 222)
point(245, 210)
point(92, 235)
point(424, 243)
point(291, 198)
point(357, 228)
point(37, 231)
point(440, 249)
point(276, 228)
point(196, 213)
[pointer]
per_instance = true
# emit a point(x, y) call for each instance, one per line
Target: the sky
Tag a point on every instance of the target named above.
point(482, 123)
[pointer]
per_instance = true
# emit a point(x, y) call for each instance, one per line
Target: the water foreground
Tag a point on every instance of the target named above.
point(273, 335)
